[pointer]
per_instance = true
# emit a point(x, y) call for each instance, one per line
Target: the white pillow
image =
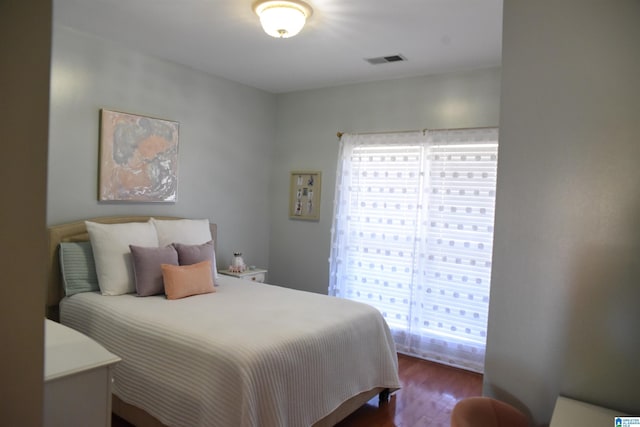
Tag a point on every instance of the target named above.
point(110, 244)
point(184, 231)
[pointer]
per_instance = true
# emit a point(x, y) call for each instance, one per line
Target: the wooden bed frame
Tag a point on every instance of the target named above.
point(77, 232)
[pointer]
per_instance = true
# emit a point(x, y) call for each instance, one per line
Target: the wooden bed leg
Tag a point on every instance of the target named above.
point(384, 396)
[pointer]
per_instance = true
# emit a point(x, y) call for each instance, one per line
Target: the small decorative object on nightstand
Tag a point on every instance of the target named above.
point(237, 263)
point(253, 274)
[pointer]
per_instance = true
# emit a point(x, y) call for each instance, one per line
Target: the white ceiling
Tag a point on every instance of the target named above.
point(224, 37)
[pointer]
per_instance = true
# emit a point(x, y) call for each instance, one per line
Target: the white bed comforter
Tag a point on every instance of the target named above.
point(248, 355)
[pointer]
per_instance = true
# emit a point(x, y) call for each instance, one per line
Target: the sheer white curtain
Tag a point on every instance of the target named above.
point(412, 235)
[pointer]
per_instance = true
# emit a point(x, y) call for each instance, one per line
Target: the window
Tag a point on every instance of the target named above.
point(412, 236)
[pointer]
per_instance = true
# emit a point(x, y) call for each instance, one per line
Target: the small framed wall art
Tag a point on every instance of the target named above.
point(138, 158)
point(304, 195)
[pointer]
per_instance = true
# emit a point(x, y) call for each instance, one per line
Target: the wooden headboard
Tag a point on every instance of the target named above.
point(77, 232)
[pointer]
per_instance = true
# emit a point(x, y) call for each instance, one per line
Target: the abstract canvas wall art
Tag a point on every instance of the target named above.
point(138, 158)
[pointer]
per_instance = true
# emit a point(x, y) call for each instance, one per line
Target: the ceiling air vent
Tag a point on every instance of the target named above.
point(385, 59)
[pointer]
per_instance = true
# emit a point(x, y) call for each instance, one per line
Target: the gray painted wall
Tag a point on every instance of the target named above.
point(227, 135)
point(307, 123)
point(564, 315)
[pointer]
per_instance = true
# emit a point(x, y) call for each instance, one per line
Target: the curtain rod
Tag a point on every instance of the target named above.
point(339, 134)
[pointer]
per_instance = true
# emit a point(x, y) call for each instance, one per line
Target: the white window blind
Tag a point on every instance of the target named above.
point(412, 236)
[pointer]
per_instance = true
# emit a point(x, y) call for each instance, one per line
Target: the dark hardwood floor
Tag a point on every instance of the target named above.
point(429, 393)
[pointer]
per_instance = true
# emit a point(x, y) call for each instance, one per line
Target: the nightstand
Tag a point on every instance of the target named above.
point(255, 275)
point(77, 379)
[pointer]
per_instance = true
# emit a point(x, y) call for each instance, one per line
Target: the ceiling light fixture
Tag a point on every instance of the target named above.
point(282, 18)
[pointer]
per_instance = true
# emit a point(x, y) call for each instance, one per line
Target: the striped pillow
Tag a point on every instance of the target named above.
point(78, 268)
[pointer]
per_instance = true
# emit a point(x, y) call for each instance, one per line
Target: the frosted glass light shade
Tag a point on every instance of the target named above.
point(282, 19)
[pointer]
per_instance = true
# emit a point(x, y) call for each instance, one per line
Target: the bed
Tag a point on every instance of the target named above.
point(246, 355)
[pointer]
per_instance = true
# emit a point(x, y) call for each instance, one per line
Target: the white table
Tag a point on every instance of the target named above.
point(573, 413)
point(77, 377)
point(255, 274)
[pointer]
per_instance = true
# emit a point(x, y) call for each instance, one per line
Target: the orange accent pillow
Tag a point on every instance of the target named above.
point(182, 281)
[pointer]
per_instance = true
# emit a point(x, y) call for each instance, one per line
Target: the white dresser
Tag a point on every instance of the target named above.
point(573, 413)
point(77, 379)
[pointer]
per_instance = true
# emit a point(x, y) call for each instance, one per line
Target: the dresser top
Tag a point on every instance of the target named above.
point(68, 352)
point(571, 413)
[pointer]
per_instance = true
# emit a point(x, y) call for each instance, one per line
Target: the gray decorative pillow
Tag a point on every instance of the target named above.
point(78, 268)
point(147, 272)
point(193, 254)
